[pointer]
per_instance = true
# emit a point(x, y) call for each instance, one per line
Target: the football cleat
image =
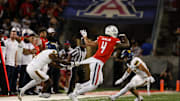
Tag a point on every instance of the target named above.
point(111, 98)
point(139, 99)
point(73, 97)
point(44, 95)
point(20, 94)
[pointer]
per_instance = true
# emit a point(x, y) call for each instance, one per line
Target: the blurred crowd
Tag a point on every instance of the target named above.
point(28, 27)
point(30, 15)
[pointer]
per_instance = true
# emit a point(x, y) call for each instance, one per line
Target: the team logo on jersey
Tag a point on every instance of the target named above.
point(111, 9)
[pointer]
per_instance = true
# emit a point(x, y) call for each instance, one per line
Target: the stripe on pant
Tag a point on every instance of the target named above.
point(94, 73)
point(97, 77)
point(40, 76)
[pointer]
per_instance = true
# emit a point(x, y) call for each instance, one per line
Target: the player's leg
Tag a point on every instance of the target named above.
point(139, 81)
point(96, 78)
point(135, 92)
point(29, 85)
point(46, 86)
point(86, 61)
point(37, 76)
point(72, 80)
point(41, 75)
point(131, 85)
point(121, 92)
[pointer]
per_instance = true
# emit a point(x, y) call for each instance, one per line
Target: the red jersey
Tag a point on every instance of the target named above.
point(37, 49)
point(44, 41)
point(105, 47)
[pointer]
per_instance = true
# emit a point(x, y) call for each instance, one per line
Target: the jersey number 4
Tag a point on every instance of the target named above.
point(103, 46)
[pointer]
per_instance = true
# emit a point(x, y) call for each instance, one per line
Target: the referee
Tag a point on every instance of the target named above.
point(77, 54)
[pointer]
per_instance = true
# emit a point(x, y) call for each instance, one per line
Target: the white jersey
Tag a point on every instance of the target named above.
point(135, 62)
point(42, 59)
point(11, 49)
point(26, 59)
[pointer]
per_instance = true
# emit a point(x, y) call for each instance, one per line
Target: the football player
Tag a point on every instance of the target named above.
point(142, 77)
point(36, 66)
point(105, 45)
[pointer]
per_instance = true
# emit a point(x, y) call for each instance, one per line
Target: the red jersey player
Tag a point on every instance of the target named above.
point(106, 46)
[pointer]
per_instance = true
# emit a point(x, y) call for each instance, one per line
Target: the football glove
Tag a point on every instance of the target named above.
point(150, 79)
point(83, 33)
point(75, 64)
point(119, 81)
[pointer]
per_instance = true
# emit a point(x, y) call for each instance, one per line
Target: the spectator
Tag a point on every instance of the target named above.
point(36, 43)
point(64, 79)
point(26, 22)
point(1, 10)
point(64, 52)
point(43, 38)
point(28, 51)
point(26, 8)
point(53, 22)
point(147, 48)
point(12, 7)
point(135, 48)
point(54, 73)
point(6, 26)
point(11, 56)
point(166, 75)
point(34, 22)
point(65, 74)
point(15, 23)
point(2, 40)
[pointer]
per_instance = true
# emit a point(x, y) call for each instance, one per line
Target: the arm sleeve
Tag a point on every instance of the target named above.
point(126, 74)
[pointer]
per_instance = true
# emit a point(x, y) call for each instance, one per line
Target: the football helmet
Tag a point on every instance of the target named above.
point(111, 30)
point(128, 54)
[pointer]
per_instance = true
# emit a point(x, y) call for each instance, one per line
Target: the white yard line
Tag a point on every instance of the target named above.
point(64, 96)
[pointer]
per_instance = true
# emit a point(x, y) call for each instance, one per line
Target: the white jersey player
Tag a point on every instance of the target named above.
point(142, 77)
point(36, 66)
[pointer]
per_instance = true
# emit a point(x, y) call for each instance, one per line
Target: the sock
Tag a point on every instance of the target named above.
point(85, 84)
point(85, 89)
point(122, 91)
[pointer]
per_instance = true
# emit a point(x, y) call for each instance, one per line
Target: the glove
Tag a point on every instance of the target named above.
point(75, 64)
point(83, 33)
point(150, 79)
point(118, 81)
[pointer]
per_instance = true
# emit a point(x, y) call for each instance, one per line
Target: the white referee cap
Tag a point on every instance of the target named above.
point(51, 30)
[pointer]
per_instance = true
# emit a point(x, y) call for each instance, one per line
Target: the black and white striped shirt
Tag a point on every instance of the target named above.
point(78, 54)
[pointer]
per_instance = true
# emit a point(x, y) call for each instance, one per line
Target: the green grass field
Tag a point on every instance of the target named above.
point(153, 97)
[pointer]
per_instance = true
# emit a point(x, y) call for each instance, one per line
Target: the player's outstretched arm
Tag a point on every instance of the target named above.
point(55, 65)
point(150, 78)
point(126, 74)
point(87, 41)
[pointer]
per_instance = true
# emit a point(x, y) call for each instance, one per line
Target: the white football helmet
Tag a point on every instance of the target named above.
point(111, 30)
